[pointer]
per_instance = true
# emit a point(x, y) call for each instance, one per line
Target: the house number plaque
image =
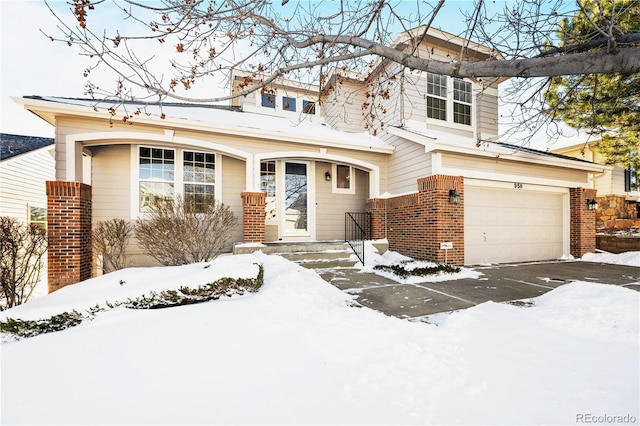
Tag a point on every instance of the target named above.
point(517, 185)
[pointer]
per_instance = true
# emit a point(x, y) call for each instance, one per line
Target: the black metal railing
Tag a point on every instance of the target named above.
point(357, 229)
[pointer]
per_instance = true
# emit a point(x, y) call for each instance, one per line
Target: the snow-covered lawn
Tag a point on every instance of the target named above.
point(296, 352)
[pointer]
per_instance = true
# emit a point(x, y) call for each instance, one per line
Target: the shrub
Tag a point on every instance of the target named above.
point(22, 249)
point(402, 271)
point(110, 238)
point(185, 230)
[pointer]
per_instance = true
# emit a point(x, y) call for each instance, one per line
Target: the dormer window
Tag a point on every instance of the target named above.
point(308, 107)
point(269, 100)
point(288, 103)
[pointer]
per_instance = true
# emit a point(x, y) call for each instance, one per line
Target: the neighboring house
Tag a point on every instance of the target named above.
point(618, 190)
point(26, 163)
point(291, 161)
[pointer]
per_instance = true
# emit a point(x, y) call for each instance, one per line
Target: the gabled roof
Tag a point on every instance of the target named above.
point(14, 145)
point(209, 118)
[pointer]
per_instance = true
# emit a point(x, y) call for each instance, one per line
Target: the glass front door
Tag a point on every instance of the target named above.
point(296, 205)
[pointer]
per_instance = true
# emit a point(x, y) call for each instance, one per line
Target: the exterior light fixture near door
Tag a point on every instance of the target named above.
point(327, 176)
point(454, 196)
point(592, 204)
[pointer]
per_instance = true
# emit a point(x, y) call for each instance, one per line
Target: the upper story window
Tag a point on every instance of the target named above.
point(308, 107)
point(288, 103)
point(162, 174)
point(461, 101)
point(446, 105)
point(436, 96)
point(268, 100)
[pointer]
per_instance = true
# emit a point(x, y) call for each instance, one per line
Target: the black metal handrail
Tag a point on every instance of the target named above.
point(357, 229)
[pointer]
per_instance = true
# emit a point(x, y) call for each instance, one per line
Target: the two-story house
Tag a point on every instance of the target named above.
point(417, 151)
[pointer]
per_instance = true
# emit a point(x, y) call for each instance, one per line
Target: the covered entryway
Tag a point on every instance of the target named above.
point(505, 224)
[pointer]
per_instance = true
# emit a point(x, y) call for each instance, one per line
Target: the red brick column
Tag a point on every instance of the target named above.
point(583, 222)
point(440, 220)
point(378, 209)
point(253, 205)
point(69, 233)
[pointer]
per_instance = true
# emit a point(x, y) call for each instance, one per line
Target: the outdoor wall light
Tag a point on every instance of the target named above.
point(592, 204)
point(454, 196)
point(327, 176)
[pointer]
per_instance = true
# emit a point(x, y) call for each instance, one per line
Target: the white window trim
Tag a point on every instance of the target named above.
point(450, 101)
point(352, 179)
point(178, 174)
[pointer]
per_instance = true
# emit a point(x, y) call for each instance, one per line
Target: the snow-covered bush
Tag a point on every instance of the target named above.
point(405, 269)
point(185, 231)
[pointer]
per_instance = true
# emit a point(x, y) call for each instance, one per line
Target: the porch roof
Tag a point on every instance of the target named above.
point(211, 118)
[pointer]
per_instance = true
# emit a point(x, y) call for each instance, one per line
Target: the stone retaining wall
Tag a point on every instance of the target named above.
point(617, 244)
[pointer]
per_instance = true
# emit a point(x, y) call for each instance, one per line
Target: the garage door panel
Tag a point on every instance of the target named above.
point(503, 225)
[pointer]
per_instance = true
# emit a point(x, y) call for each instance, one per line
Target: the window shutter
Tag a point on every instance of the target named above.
point(627, 180)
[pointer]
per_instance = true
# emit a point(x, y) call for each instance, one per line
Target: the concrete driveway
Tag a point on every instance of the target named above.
point(500, 283)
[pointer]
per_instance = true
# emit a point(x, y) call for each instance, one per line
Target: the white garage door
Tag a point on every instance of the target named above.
point(512, 225)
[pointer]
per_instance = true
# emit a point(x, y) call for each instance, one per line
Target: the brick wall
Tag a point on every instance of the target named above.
point(69, 233)
point(583, 222)
point(253, 204)
point(416, 224)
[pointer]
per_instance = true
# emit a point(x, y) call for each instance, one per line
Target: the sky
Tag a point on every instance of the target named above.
point(298, 352)
point(31, 64)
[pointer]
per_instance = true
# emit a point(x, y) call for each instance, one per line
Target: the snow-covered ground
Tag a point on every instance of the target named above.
point(296, 352)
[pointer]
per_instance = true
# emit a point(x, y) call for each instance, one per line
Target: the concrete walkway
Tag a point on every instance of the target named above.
point(499, 283)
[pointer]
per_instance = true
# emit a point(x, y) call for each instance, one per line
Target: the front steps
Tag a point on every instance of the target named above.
point(312, 255)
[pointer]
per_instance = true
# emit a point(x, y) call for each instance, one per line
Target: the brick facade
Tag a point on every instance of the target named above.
point(69, 233)
point(253, 207)
point(583, 222)
point(416, 224)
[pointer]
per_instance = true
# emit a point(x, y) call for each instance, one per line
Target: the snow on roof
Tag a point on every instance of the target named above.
point(233, 120)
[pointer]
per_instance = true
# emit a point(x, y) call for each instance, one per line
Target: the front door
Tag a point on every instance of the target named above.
point(296, 215)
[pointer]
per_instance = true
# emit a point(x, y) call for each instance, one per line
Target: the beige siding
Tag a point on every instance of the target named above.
point(331, 207)
point(22, 182)
point(111, 182)
point(513, 168)
point(407, 165)
point(343, 107)
point(487, 115)
point(233, 184)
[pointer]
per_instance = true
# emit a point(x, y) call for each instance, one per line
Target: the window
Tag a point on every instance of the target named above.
point(199, 177)
point(38, 216)
point(436, 96)
point(156, 171)
point(268, 185)
point(343, 179)
point(631, 180)
point(308, 107)
point(461, 101)
point(288, 104)
point(166, 173)
point(268, 100)
point(446, 105)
